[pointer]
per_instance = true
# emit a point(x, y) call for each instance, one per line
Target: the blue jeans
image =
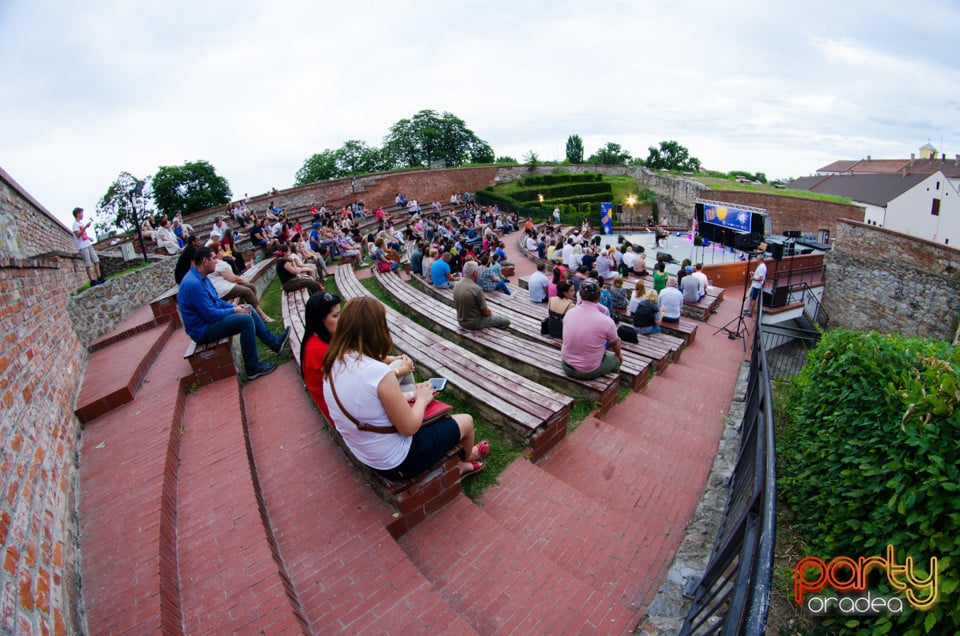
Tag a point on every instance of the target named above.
point(250, 327)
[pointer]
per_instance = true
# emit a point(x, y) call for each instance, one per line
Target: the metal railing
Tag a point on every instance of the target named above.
point(812, 308)
point(733, 595)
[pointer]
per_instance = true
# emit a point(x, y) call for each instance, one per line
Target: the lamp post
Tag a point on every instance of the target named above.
point(134, 194)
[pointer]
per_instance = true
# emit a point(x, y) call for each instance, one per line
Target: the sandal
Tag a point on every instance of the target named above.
point(477, 467)
point(483, 449)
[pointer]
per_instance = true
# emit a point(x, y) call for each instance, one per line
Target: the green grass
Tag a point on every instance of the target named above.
point(270, 301)
point(730, 184)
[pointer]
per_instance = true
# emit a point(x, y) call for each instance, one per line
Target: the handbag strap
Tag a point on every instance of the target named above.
point(370, 428)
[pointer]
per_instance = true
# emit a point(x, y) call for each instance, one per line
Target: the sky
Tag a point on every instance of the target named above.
point(90, 90)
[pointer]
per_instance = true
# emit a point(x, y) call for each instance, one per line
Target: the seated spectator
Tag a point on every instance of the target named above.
point(440, 273)
point(319, 325)
point(166, 239)
point(605, 267)
point(207, 318)
point(230, 254)
point(471, 304)
point(306, 257)
point(346, 247)
point(558, 307)
point(488, 280)
point(618, 295)
point(659, 277)
point(639, 293)
point(647, 314)
point(380, 259)
point(428, 262)
point(147, 230)
point(704, 281)
point(260, 238)
point(392, 438)
point(401, 200)
point(671, 301)
point(185, 262)
point(691, 287)
point(538, 284)
point(218, 230)
point(586, 335)
point(230, 286)
point(557, 277)
point(293, 277)
point(416, 259)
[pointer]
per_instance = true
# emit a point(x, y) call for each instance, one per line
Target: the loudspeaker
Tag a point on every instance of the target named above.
point(667, 258)
point(775, 298)
point(748, 242)
point(792, 233)
point(776, 251)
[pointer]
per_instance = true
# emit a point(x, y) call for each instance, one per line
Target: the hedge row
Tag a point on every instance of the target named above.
point(551, 193)
point(551, 179)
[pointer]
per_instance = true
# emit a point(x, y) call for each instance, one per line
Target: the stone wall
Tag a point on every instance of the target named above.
point(27, 229)
point(881, 280)
point(96, 310)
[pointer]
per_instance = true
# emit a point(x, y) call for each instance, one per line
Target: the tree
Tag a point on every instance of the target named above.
point(318, 167)
point(574, 149)
point(481, 152)
point(355, 157)
point(672, 156)
point(189, 188)
point(429, 137)
point(609, 155)
point(123, 204)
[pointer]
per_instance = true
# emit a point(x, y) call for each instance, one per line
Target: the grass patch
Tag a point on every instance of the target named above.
point(729, 184)
point(270, 301)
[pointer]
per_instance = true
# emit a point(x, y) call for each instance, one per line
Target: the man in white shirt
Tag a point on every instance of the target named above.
point(568, 253)
point(756, 286)
point(538, 284)
point(700, 276)
point(84, 246)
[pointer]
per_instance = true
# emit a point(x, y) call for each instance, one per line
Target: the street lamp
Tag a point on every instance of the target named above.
point(134, 194)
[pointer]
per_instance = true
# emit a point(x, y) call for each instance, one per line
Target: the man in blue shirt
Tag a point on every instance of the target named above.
point(440, 274)
point(207, 318)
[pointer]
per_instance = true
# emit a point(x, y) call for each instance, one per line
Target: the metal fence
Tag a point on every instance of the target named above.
point(733, 595)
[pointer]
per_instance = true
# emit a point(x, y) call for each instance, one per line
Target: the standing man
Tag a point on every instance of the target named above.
point(207, 318)
point(538, 284)
point(85, 246)
point(586, 333)
point(756, 286)
point(471, 304)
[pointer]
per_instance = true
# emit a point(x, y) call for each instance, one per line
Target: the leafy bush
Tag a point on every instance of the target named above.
point(870, 458)
point(554, 179)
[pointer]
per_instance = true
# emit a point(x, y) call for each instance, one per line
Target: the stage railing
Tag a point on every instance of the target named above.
point(733, 595)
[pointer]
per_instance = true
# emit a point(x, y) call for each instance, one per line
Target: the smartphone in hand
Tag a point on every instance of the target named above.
point(438, 384)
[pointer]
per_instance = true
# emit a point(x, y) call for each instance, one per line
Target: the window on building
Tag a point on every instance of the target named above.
point(935, 208)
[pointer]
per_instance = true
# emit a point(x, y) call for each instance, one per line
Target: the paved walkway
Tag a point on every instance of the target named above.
point(268, 527)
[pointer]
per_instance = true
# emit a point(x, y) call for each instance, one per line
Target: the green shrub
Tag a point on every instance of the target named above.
point(870, 458)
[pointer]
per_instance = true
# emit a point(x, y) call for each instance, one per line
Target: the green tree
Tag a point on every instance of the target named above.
point(671, 156)
point(318, 167)
point(574, 149)
point(429, 137)
point(192, 187)
point(609, 155)
point(123, 205)
point(481, 152)
point(355, 157)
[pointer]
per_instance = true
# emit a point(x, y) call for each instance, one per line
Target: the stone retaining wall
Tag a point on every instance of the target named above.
point(96, 310)
point(881, 280)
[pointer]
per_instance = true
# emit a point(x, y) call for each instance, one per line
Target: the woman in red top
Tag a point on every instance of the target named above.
point(320, 323)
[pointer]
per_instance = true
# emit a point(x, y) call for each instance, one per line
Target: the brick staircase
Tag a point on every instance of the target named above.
point(230, 510)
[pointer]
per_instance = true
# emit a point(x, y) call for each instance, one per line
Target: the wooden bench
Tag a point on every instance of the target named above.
point(537, 361)
point(525, 318)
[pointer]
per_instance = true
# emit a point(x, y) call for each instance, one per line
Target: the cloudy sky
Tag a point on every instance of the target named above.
point(92, 89)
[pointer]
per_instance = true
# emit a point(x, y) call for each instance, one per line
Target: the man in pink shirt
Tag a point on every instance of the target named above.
point(586, 333)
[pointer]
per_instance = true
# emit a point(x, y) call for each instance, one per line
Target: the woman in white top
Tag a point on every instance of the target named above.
point(229, 285)
point(379, 426)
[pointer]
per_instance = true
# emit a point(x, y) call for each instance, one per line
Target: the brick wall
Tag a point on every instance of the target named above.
point(792, 213)
point(881, 280)
point(41, 366)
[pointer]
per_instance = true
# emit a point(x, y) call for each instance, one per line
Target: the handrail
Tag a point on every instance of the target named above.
point(733, 595)
point(813, 308)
